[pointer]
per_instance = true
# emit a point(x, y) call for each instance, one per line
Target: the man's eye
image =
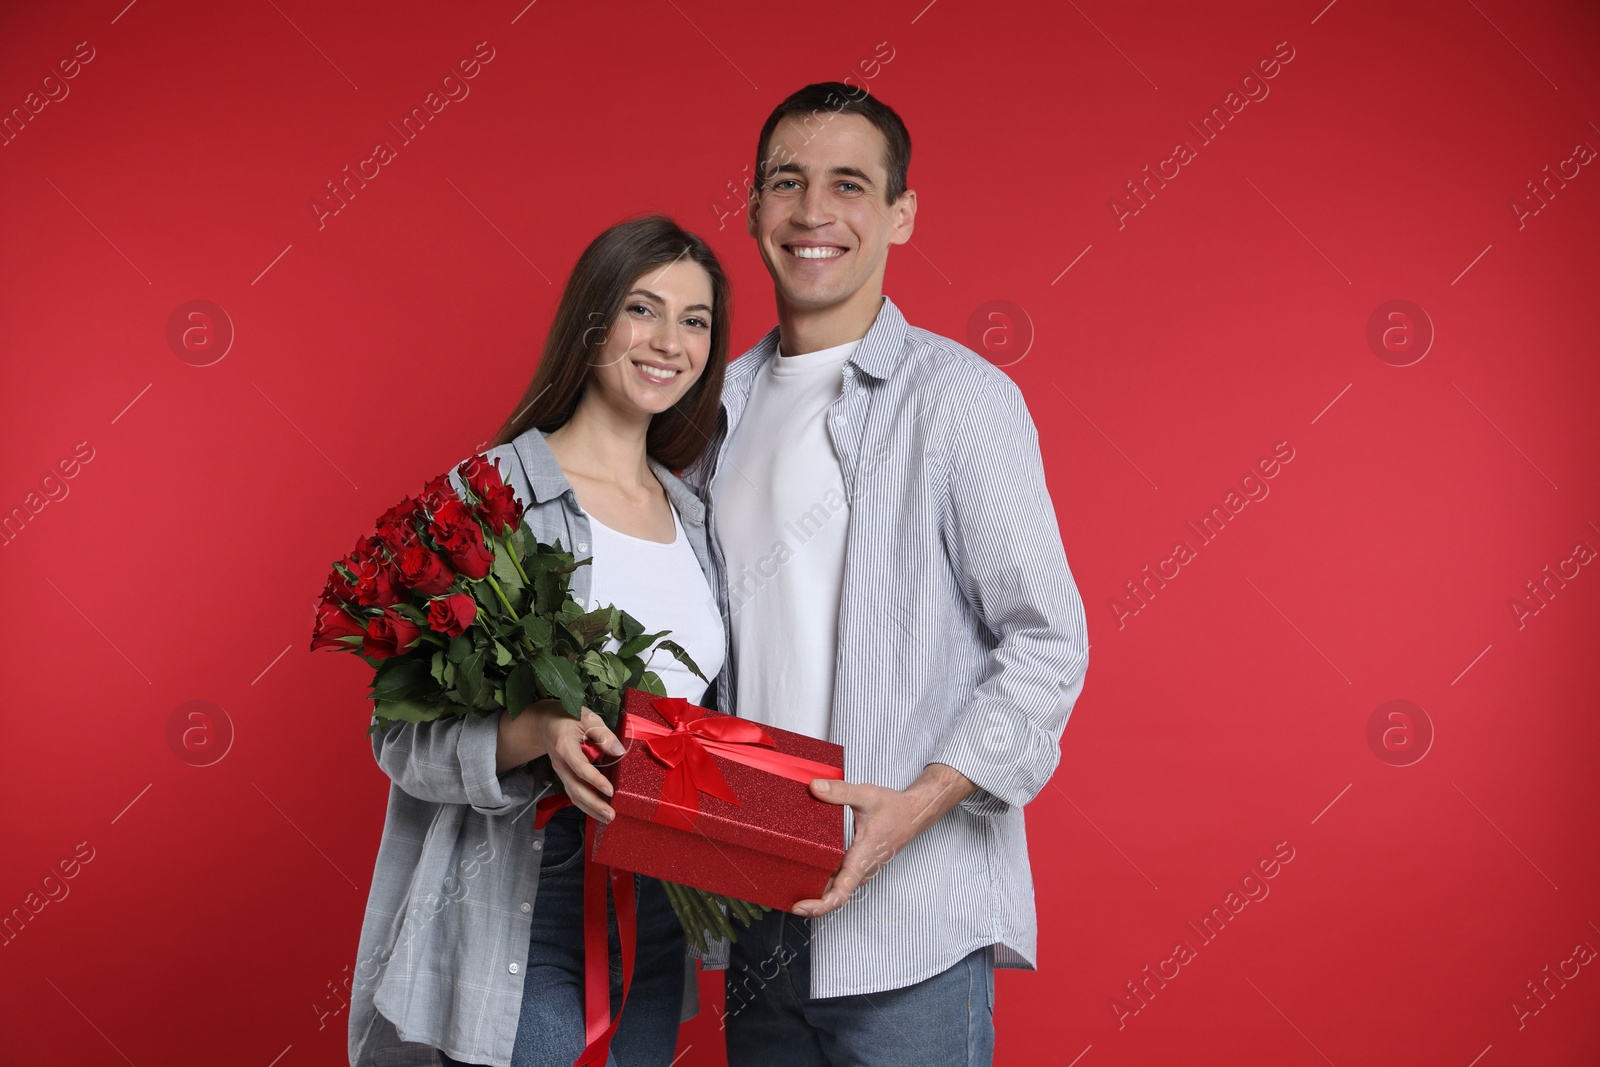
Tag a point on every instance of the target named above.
point(790, 182)
point(849, 187)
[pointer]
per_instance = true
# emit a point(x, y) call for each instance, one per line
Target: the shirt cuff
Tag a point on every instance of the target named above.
point(982, 802)
point(476, 749)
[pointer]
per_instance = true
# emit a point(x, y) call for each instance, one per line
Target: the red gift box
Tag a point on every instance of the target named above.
point(720, 803)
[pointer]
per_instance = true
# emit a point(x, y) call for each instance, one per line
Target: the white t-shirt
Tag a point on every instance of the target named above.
point(781, 515)
point(663, 587)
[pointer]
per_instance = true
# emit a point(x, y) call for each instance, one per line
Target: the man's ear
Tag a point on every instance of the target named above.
point(752, 203)
point(903, 216)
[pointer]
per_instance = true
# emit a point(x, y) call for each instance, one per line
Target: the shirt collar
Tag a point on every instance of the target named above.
point(879, 354)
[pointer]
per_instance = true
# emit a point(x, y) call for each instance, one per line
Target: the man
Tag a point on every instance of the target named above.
point(894, 581)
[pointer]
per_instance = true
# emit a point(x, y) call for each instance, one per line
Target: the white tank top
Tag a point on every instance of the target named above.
point(663, 587)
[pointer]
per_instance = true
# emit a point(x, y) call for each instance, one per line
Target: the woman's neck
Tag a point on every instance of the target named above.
point(603, 445)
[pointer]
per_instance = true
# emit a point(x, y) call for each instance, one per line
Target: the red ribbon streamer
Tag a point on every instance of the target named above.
point(686, 748)
point(598, 1025)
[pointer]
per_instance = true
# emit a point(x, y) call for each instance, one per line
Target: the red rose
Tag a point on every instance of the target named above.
point(424, 572)
point(339, 586)
point(381, 589)
point(436, 493)
point(397, 535)
point(449, 517)
point(467, 551)
point(500, 510)
point(333, 622)
point(376, 578)
point(390, 634)
point(451, 615)
point(402, 513)
point(481, 476)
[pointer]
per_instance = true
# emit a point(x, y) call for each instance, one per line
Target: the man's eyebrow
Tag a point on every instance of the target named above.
point(847, 172)
point(663, 303)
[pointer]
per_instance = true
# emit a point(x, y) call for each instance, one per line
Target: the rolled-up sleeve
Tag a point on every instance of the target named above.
point(1006, 544)
point(452, 761)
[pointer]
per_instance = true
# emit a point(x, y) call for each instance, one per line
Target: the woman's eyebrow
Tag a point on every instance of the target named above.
point(692, 307)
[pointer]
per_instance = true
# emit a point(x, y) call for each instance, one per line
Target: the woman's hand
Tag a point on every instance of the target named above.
point(545, 728)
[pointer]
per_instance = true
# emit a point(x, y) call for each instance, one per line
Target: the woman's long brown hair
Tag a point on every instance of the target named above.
point(591, 302)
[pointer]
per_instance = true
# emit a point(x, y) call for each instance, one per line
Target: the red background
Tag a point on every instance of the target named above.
point(1230, 714)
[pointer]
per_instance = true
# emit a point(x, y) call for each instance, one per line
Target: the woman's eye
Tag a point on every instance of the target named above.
point(697, 323)
point(640, 308)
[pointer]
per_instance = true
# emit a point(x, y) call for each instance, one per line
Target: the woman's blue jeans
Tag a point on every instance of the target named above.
point(550, 1029)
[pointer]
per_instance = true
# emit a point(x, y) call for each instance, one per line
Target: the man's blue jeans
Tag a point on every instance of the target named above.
point(772, 1021)
point(550, 1028)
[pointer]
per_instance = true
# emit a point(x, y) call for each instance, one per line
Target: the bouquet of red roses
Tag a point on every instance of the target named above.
point(461, 611)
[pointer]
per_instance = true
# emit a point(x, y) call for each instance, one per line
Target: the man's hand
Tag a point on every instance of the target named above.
point(885, 822)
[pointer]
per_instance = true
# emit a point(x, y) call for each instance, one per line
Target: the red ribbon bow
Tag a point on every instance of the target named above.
point(686, 750)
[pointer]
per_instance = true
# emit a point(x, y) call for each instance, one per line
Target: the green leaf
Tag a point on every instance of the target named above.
point(436, 667)
point(469, 675)
point(609, 706)
point(639, 643)
point(502, 655)
point(650, 682)
point(538, 629)
point(505, 573)
point(569, 639)
point(409, 611)
point(605, 668)
point(521, 688)
point(618, 670)
point(682, 656)
point(459, 649)
point(489, 605)
point(548, 589)
point(559, 678)
point(401, 678)
point(594, 625)
point(627, 627)
point(409, 710)
point(543, 562)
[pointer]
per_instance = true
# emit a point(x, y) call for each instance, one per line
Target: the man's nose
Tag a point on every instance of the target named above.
point(812, 209)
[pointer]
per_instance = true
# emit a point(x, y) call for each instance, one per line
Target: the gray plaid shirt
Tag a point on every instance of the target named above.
point(444, 943)
point(961, 641)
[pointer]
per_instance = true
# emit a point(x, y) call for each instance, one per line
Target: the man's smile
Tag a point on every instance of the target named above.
point(813, 250)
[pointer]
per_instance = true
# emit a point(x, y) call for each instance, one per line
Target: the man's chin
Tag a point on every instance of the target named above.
point(811, 297)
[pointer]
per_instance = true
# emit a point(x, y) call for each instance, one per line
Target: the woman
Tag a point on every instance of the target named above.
point(472, 943)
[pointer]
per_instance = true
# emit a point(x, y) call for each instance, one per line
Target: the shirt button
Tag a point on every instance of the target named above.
point(583, 546)
point(537, 845)
point(526, 907)
point(838, 416)
point(513, 968)
point(861, 390)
